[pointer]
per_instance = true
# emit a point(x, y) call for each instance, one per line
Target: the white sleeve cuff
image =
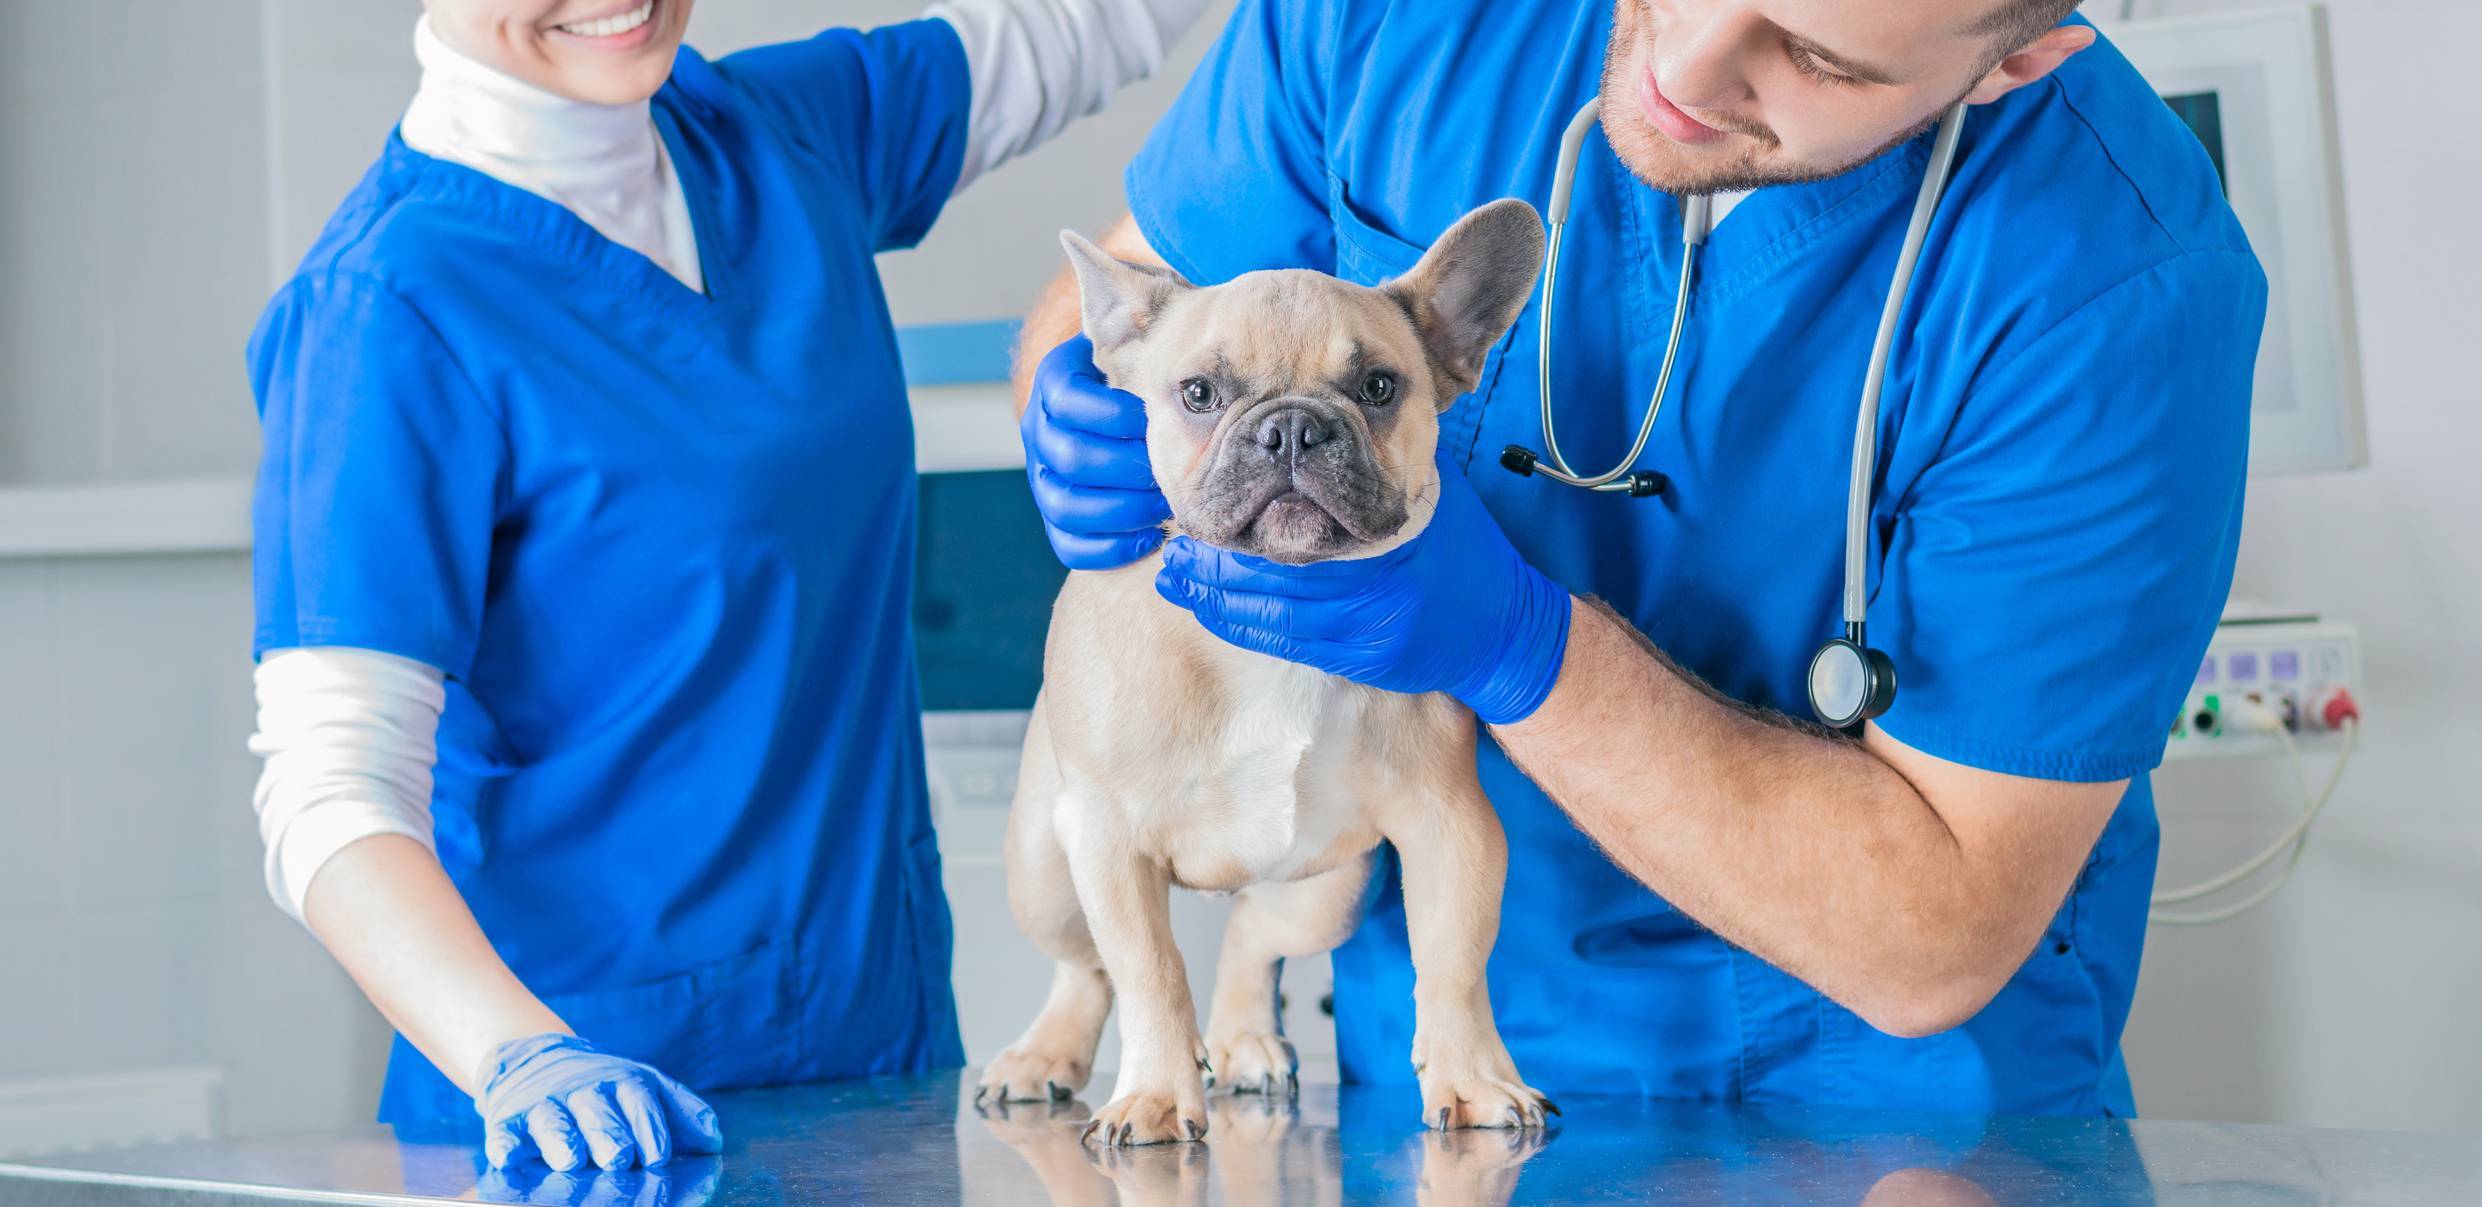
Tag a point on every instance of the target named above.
point(349, 739)
point(1037, 65)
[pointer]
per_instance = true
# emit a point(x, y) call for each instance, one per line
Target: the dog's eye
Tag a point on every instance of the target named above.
point(1379, 389)
point(1198, 394)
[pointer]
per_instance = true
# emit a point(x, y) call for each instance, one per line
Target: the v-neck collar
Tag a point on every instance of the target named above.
point(588, 249)
point(1769, 228)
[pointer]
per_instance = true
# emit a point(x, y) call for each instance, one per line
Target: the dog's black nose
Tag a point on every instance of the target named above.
point(1290, 432)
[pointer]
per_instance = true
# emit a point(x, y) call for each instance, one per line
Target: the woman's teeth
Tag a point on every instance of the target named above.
point(612, 26)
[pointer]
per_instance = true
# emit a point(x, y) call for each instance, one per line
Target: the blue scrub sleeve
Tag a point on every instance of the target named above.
point(2054, 574)
point(380, 481)
point(1234, 178)
point(886, 108)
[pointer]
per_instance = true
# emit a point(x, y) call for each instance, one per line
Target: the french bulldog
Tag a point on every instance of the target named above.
point(1292, 416)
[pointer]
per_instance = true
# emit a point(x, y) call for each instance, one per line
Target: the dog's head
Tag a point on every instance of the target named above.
point(1292, 415)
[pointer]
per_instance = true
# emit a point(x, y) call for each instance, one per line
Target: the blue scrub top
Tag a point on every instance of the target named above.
point(661, 544)
point(2061, 458)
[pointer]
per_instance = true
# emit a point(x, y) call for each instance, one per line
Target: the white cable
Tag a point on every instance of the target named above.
point(2296, 840)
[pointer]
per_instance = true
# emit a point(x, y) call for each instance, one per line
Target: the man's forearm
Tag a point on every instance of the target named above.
point(1805, 848)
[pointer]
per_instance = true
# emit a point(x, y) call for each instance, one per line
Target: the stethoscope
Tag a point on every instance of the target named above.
point(1849, 681)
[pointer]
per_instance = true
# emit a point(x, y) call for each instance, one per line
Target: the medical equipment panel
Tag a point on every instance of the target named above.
point(2305, 670)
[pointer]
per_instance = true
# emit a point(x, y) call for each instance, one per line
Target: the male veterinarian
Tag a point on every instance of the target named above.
point(1708, 898)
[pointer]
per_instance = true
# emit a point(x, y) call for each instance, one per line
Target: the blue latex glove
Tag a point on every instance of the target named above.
point(1453, 610)
point(569, 1101)
point(1086, 460)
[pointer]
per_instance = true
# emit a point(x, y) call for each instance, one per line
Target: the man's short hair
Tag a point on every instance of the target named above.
point(2017, 22)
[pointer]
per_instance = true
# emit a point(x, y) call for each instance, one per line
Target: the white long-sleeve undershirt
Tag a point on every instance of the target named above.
point(348, 736)
point(348, 742)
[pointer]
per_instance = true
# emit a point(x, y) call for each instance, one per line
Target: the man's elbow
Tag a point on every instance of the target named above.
point(1925, 1005)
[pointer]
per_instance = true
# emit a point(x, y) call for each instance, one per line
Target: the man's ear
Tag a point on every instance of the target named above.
point(1118, 300)
point(1469, 287)
point(2031, 62)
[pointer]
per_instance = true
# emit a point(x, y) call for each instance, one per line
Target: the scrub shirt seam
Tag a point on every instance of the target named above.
point(499, 420)
point(2060, 90)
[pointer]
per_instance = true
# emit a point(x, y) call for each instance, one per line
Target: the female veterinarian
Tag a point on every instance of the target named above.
point(585, 686)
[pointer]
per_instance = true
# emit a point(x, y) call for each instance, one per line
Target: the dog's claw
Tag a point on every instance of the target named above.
point(1443, 1118)
point(1515, 1119)
point(980, 1093)
point(1128, 1132)
point(1196, 1130)
point(1266, 1085)
point(1057, 1091)
point(1548, 1105)
point(1087, 1136)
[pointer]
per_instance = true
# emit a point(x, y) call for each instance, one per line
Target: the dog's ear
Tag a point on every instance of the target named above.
point(1118, 300)
point(1469, 287)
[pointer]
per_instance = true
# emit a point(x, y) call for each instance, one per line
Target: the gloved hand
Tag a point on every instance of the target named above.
point(1086, 459)
point(1455, 609)
point(568, 1100)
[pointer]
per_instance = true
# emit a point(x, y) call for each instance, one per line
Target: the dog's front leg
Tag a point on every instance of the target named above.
point(1455, 862)
point(1127, 899)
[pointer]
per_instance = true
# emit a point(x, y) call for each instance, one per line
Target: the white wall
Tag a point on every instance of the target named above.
point(2350, 999)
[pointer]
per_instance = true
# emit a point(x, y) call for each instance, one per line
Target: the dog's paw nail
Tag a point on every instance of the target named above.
point(1515, 1119)
point(1196, 1130)
point(1056, 1091)
point(1128, 1131)
point(1266, 1084)
point(1443, 1118)
point(1087, 1136)
point(1548, 1104)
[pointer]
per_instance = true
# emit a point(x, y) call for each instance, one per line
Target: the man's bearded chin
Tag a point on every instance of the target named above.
point(1753, 159)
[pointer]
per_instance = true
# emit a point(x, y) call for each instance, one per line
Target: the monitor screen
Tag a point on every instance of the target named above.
point(984, 581)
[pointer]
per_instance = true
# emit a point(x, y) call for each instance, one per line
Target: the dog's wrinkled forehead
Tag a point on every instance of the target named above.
point(1288, 331)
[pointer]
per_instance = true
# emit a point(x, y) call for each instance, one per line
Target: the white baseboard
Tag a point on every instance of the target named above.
point(62, 1114)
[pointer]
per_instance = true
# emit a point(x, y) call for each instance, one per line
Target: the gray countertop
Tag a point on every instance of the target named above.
point(920, 1140)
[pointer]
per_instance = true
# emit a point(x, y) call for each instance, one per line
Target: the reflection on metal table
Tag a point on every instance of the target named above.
point(920, 1140)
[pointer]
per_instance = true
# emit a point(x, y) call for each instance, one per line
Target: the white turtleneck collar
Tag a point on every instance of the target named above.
point(604, 163)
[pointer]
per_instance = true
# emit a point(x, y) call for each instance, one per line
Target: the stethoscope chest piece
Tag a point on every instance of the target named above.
point(1850, 683)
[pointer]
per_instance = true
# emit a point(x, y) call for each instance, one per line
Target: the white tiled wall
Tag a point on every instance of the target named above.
point(136, 933)
point(133, 229)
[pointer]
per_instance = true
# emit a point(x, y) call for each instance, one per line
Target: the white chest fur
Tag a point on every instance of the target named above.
point(1272, 797)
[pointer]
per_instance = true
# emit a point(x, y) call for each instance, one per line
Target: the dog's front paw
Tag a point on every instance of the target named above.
point(1147, 1117)
point(1454, 1098)
point(1253, 1063)
point(1032, 1075)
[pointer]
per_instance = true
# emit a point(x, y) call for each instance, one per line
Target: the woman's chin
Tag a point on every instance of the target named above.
point(607, 83)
